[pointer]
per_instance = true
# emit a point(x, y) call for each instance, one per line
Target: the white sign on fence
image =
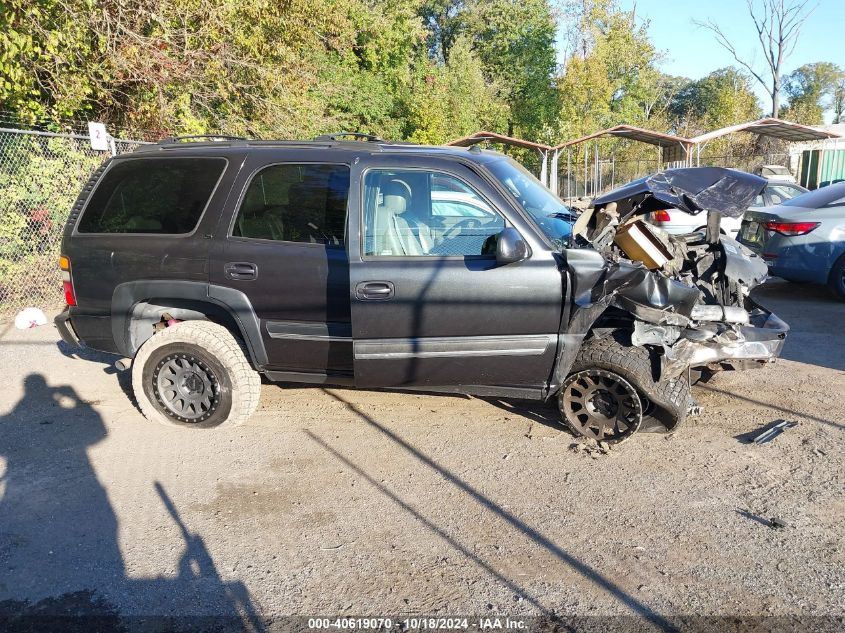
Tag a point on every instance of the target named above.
point(99, 136)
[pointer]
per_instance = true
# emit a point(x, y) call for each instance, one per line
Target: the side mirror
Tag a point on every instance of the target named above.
point(510, 247)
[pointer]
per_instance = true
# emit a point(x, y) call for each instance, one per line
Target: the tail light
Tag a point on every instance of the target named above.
point(661, 216)
point(67, 283)
point(791, 228)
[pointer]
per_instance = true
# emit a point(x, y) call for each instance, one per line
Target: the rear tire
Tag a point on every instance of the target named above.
point(664, 403)
point(836, 279)
point(195, 374)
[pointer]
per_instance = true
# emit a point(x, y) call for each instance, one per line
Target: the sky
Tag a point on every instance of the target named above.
point(691, 51)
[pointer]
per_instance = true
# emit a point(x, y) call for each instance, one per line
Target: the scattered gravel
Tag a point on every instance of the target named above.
point(335, 501)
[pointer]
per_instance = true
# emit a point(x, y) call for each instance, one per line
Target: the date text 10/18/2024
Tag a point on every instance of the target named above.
point(419, 624)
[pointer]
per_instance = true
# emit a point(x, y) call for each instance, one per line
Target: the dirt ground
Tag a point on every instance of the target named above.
point(340, 502)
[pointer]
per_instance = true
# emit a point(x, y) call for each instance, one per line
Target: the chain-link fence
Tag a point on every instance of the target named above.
point(597, 177)
point(41, 174)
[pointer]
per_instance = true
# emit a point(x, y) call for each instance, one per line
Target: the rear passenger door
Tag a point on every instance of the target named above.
point(285, 250)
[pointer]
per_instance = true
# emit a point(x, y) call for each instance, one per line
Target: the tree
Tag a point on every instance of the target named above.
point(806, 89)
point(777, 24)
point(839, 102)
point(611, 74)
point(724, 97)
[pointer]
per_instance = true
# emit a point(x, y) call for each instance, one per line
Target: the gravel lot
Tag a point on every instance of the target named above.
point(342, 502)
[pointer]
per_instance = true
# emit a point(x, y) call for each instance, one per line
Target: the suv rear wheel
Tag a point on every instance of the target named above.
point(195, 374)
point(836, 280)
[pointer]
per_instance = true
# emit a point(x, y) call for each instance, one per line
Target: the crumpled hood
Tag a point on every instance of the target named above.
point(693, 190)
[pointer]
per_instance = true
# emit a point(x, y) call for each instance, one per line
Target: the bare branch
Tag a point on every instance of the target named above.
point(778, 26)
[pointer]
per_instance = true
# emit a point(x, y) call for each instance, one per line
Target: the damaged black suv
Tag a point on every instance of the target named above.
point(371, 264)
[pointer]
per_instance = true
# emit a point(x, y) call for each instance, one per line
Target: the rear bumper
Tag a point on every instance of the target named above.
point(66, 331)
point(759, 342)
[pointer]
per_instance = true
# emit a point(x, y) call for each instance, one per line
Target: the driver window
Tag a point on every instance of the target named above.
point(296, 203)
point(420, 213)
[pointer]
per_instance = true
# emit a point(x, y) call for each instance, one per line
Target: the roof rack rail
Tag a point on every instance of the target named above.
point(336, 136)
point(213, 137)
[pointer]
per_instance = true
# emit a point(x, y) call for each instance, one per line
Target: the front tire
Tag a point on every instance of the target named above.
point(195, 374)
point(664, 403)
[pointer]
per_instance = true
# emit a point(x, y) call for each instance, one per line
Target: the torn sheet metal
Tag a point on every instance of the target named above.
point(693, 190)
point(761, 340)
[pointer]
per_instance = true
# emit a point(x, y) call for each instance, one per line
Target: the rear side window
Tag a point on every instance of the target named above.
point(830, 195)
point(152, 195)
point(296, 203)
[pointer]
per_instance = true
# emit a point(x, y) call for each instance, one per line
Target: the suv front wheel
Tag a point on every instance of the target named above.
point(195, 374)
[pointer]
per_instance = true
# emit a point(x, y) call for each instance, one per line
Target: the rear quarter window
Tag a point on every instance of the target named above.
point(164, 196)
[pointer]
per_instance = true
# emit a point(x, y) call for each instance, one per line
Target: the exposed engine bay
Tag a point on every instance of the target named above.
point(684, 298)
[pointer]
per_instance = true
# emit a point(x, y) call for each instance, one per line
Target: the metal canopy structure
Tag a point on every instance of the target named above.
point(673, 150)
point(665, 141)
point(776, 128)
point(492, 137)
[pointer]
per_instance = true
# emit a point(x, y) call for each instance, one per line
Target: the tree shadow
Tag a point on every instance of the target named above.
point(812, 311)
point(641, 609)
point(62, 565)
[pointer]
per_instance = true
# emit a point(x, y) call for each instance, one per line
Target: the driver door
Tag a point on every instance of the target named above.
point(430, 305)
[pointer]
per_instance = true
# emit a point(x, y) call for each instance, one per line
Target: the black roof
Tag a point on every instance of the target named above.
point(228, 145)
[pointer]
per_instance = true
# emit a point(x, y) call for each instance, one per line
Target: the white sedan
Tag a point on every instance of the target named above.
point(677, 222)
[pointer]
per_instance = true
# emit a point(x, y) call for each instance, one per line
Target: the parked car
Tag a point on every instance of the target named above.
point(775, 173)
point(677, 222)
point(208, 264)
point(802, 239)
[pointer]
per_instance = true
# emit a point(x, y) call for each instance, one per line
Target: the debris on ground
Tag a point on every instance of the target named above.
point(29, 318)
point(773, 431)
point(590, 446)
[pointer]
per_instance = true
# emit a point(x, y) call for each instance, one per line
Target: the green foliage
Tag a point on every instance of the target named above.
point(39, 181)
point(724, 97)
point(611, 76)
point(278, 69)
point(807, 88)
point(514, 39)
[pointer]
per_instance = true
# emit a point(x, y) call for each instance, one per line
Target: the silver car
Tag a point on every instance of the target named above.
point(802, 239)
point(678, 223)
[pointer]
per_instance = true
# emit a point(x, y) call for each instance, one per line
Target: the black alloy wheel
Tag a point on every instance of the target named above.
point(600, 405)
point(186, 388)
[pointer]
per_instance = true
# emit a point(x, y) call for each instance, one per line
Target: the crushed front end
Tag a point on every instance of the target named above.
point(686, 299)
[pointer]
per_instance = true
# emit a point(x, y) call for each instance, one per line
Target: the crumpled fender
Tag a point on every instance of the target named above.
point(594, 284)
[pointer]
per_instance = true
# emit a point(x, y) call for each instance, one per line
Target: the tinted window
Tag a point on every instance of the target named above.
point(819, 197)
point(296, 203)
point(152, 195)
point(423, 213)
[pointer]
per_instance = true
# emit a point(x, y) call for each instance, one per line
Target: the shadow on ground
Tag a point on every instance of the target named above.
point(810, 311)
point(58, 537)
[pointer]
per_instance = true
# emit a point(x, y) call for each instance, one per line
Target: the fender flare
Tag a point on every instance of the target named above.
point(233, 302)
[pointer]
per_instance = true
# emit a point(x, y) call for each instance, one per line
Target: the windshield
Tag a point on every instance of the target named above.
point(553, 217)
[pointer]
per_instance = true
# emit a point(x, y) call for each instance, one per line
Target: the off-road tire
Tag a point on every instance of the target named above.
point(237, 385)
point(665, 402)
point(836, 279)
